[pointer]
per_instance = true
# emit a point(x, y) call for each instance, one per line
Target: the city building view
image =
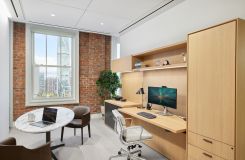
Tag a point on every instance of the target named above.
point(52, 71)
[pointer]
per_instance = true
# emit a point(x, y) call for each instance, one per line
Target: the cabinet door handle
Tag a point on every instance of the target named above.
point(207, 155)
point(208, 141)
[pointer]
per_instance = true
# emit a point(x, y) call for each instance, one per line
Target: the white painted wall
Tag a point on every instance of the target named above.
point(4, 71)
point(173, 25)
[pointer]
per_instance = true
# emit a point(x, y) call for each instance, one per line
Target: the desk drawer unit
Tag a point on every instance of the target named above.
point(109, 118)
point(195, 153)
point(211, 146)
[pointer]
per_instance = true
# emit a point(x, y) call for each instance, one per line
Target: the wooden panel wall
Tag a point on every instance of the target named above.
point(131, 82)
point(172, 78)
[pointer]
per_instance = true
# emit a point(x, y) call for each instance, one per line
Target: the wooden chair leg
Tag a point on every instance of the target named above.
point(62, 133)
point(82, 135)
point(74, 131)
point(89, 132)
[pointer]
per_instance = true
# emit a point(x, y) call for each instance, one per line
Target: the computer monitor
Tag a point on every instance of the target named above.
point(164, 96)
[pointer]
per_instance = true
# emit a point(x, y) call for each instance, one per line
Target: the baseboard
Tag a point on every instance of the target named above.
point(96, 115)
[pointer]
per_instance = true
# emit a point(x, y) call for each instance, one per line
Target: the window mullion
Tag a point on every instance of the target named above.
point(38, 68)
point(60, 67)
point(46, 68)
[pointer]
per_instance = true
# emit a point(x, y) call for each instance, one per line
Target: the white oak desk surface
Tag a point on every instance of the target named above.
point(121, 104)
point(172, 123)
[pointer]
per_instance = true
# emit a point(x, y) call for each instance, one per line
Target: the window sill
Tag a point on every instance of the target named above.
point(51, 103)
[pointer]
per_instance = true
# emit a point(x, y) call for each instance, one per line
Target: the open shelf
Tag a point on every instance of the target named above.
point(173, 66)
point(175, 54)
point(163, 49)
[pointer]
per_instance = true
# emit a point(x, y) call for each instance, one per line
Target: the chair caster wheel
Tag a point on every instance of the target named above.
point(139, 154)
point(119, 153)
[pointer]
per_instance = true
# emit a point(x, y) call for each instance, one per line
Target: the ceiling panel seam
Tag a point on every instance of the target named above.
point(22, 10)
point(63, 5)
point(79, 19)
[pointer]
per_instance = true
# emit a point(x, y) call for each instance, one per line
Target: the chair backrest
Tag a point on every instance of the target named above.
point(9, 151)
point(79, 111)
point(120, 123)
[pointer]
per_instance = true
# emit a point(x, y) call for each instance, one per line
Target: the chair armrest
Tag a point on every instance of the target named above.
point(10, 141)
point(128, 121)
point(86, 119)
point(42, 152)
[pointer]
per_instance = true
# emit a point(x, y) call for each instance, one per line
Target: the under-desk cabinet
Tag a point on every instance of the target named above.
point(113, 104)
point(216, 92)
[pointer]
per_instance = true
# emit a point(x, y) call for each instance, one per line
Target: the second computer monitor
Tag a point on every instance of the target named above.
point(163, 96)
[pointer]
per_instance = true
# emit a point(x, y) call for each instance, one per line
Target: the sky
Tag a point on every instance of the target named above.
point(52, 51)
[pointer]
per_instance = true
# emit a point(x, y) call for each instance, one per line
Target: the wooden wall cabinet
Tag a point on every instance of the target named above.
point(216, 90)
point(122, 65)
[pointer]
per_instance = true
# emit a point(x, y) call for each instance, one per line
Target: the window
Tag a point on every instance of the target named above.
point(52, 66)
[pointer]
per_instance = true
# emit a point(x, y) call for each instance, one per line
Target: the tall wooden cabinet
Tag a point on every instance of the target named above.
point(216, 92)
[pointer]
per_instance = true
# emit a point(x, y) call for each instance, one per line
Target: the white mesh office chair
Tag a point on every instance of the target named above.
point(130, 137)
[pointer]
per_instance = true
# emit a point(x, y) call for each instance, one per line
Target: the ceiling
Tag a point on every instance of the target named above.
point(101, 16)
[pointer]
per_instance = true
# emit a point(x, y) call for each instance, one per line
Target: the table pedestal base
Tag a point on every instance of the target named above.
point(48, 139)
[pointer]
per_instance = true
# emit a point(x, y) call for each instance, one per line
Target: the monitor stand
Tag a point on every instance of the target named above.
point(165, 112)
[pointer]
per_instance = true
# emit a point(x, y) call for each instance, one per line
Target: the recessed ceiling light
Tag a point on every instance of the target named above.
point(52, 15)
point(101, 23)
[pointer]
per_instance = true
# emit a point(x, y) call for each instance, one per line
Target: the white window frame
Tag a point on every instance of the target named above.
point(29, 79)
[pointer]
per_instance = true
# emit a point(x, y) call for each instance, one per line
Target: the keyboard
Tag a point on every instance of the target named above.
point(42, 124)
point(147, 115)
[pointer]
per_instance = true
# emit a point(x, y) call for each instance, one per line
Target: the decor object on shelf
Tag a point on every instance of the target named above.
point(149, 105)
point(141, 92)
point(123, 100)
point(118, 98)
point(107, 84)
point(165, 62)
point(158, 62)
point(138, 64)
point(184, 56)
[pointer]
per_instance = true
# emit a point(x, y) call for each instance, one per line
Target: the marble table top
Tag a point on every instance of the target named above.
point(64, 116)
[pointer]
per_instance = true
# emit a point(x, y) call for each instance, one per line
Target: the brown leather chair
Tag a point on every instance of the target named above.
point(81, 119)
point(10, 151)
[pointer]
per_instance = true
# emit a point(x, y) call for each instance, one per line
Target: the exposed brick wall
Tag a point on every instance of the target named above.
point(94, 53)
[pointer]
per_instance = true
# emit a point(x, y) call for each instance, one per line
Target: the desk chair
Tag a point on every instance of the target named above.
point(10, 151)
point(130, 137)
point(81, 120)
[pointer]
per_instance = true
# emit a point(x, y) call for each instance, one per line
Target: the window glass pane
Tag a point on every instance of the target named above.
point(40, 48)
point(52, 82)
point(52, 69)
point(39, 84)
point(65, 82)
point(52, 50)
point(65, 53)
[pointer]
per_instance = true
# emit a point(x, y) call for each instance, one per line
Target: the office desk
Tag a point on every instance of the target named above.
point(168, 132)
point(113, 104)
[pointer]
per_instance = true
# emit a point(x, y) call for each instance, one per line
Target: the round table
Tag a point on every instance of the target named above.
point(64, 116)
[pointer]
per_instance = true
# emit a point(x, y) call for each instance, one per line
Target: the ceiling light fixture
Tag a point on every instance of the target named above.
point(52, 15)
point(101, 23)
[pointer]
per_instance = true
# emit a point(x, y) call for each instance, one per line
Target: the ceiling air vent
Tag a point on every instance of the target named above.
point(163, 7)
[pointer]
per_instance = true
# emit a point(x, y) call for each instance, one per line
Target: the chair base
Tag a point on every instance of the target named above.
point(131, 155)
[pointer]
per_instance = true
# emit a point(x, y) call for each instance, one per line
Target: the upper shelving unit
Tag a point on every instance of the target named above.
point(165, 49)
point(173, 66)
point(153, 59)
